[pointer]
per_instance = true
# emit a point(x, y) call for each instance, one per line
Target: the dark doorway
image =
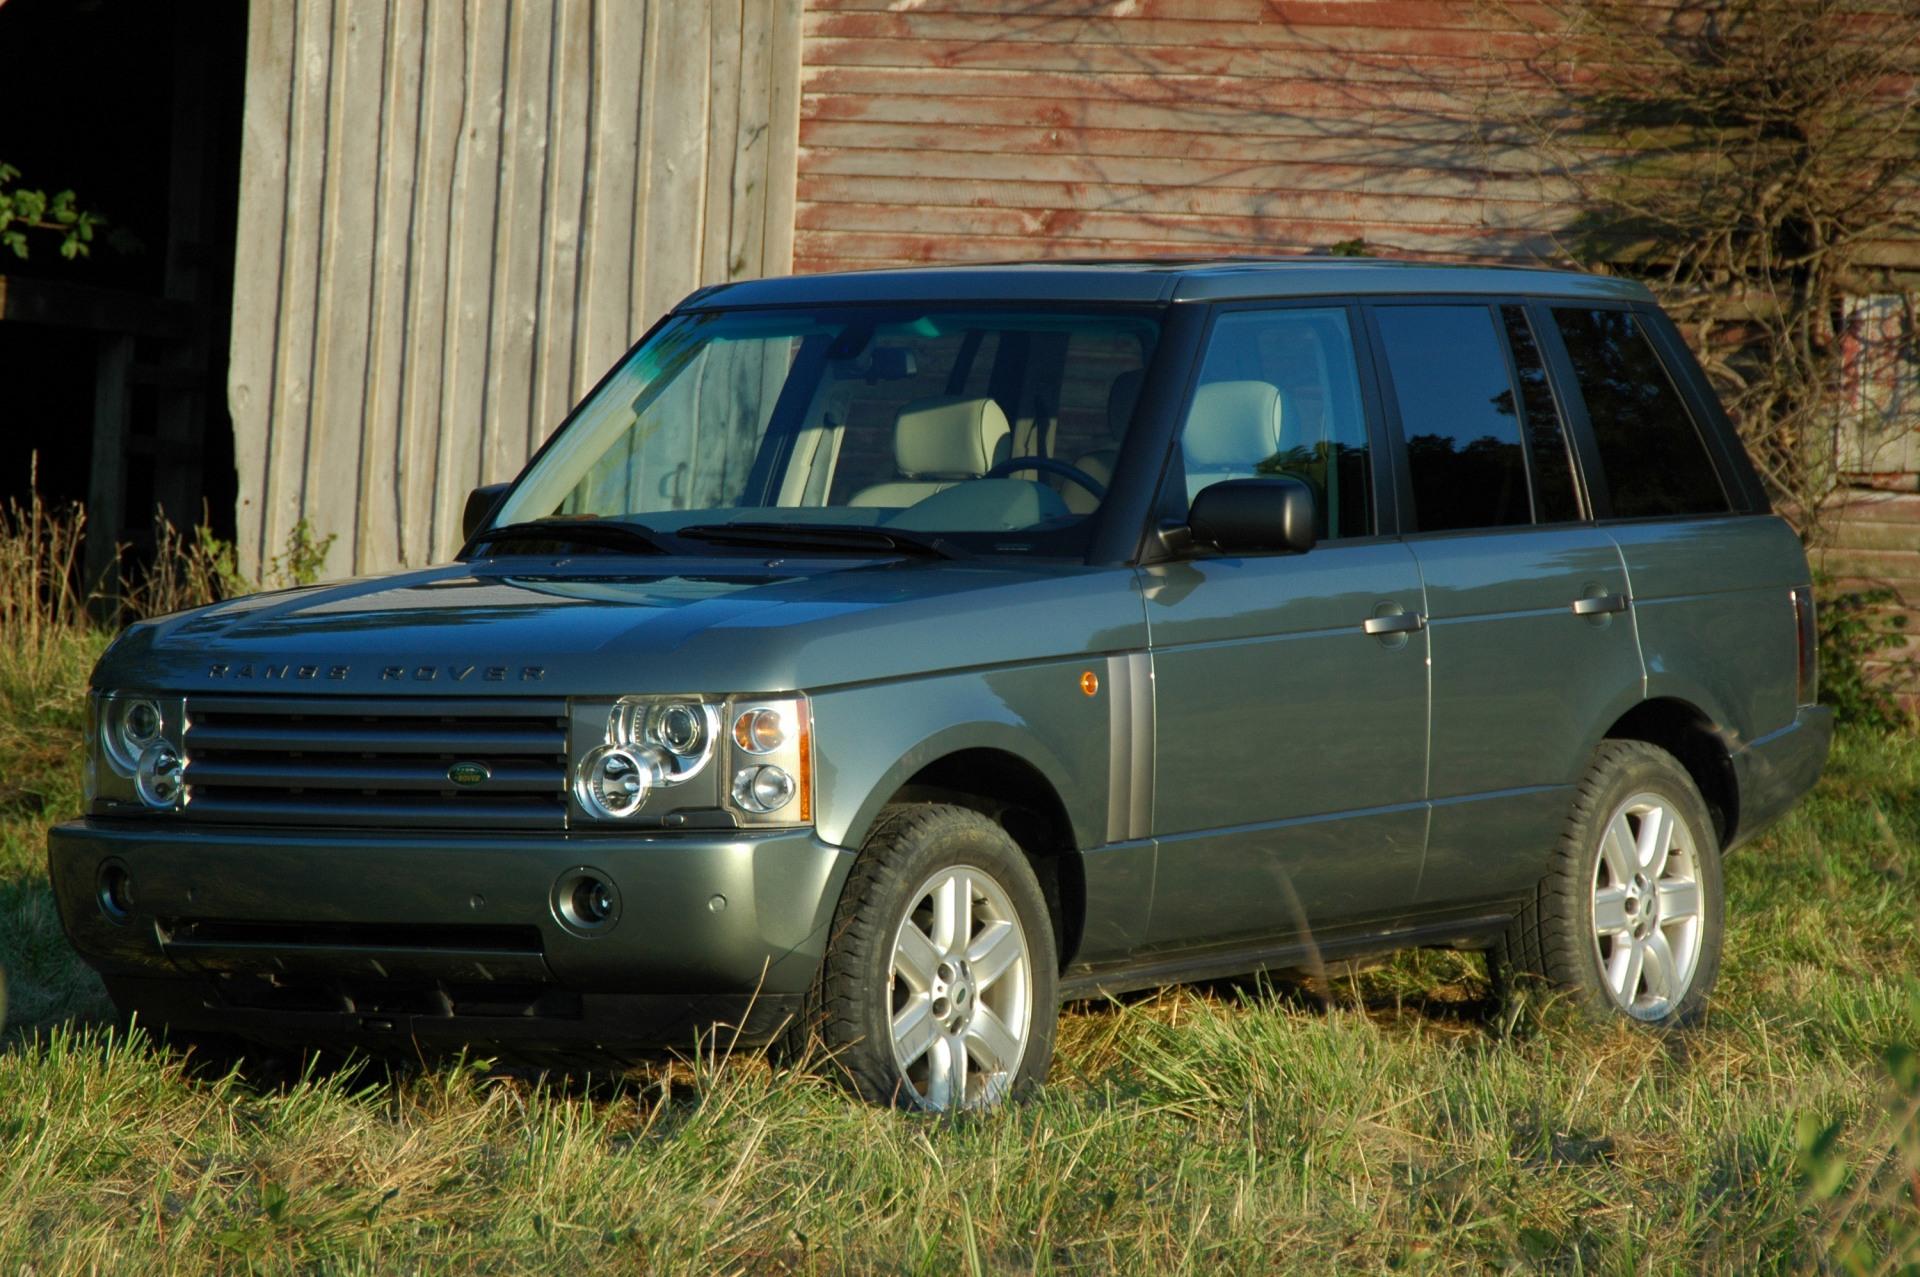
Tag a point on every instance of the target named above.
point(113, 367)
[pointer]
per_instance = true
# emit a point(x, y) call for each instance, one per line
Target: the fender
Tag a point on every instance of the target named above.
point(870, 740)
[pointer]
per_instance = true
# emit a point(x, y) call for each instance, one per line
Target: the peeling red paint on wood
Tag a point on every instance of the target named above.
point(967, 130)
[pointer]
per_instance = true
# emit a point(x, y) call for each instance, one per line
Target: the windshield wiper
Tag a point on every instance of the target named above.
point(825, 536)
point(594, 532)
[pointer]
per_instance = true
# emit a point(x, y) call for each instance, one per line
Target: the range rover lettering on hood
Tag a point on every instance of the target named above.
point(281, 670)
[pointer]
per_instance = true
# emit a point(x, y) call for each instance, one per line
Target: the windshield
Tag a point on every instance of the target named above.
point(993, 429)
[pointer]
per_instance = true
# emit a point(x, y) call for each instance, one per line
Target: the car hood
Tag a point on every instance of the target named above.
point(587, 627)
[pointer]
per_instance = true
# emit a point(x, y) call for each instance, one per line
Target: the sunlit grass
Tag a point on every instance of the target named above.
point(1381, 1119)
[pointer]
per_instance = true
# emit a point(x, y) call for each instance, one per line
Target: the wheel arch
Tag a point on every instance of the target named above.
point(1014, 791)
point(1691, 735)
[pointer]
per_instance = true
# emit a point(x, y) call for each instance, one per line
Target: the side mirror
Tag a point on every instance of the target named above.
point(480, 504)
point(1255, 514)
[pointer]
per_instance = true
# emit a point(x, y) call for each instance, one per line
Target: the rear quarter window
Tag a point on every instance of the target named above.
point(1655, 462)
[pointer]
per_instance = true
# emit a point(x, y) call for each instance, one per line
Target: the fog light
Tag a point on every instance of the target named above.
point(763, 789)
point(114, 889)
point(585, 901)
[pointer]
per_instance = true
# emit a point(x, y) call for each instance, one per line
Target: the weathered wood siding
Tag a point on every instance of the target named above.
point(455, 216)
point(954, 130)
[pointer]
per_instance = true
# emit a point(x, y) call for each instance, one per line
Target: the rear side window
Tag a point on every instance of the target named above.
point(1556, 498)
point(1458, 415)
point(1654, 460)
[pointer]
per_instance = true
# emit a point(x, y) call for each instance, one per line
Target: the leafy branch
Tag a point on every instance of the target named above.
point(23, 210)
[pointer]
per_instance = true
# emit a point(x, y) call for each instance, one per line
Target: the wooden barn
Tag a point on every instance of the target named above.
point(403, 236)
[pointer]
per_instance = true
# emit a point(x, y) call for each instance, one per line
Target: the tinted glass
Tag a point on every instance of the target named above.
point(1279, 395)
point(1458, 415)
point(1653, 457)
point(1555, 497)
point(856, 415)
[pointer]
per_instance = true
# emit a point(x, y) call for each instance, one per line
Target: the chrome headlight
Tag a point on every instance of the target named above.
point(137, 755)
point(652, 760)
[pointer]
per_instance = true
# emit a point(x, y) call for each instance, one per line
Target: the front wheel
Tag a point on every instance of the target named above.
point(940, 988)
point(1630, 916)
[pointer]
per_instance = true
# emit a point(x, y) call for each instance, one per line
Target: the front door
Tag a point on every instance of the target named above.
point(1290, 744)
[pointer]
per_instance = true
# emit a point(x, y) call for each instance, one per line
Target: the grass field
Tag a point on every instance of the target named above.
point(1390, 1121)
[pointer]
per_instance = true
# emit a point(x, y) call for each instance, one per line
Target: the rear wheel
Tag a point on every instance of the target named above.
point(939, 990)
point(1630, 917)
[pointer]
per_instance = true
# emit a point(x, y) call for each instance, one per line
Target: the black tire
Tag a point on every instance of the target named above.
point(1554, 938)
point(856, 997)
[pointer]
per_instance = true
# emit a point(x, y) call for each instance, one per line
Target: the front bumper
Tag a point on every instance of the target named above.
point(412, 942)
point(1775, 770)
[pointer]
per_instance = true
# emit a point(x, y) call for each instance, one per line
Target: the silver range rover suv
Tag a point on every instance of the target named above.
point(888, 657)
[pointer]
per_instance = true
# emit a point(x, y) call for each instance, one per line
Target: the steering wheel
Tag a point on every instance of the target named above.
point(1052, 465)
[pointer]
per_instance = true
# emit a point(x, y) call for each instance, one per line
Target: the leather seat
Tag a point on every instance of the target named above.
point(938, 442)
point(1232, 427)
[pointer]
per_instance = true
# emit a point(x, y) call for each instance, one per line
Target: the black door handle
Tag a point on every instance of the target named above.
point(1397, 623)
point(1600, 604)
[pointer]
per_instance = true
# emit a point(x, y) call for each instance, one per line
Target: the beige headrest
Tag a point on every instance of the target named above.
point(1232, 423)
point(948, 436)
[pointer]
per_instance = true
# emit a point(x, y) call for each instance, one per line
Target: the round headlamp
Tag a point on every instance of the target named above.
point(763, 789)
point(679, 733)
point(159, 777)
point(130, 727)
point(612, 781)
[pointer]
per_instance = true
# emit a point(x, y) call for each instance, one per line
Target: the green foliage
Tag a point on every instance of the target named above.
point(1742, 157)
point(23, 210)
point(1870, 1194)
point(1851, 629)
point(1350, 248)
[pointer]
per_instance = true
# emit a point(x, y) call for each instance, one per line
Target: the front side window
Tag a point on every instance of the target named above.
point(1458, 416)
point(1654, 460)
point(962, 423)
point(1279, 394)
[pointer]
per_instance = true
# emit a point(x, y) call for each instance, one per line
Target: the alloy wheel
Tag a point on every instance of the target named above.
point(1647, 917)
point(960, 992)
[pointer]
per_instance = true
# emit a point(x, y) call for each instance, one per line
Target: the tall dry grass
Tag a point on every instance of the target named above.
point(45, 625)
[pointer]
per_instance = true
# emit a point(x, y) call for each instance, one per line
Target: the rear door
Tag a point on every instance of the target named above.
point(1529, 612)
point(1711, 581)
point(1289, 744)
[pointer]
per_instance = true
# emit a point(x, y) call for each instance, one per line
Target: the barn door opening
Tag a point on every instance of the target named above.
point(113, 366)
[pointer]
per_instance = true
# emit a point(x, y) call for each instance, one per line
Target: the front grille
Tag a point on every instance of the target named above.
point(376, 763)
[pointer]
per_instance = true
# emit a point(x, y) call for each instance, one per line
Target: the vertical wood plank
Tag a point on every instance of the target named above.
point(658, 19)
point(746, 152)
point(258, 257)
point(285, 493)
point(676, 155)
point(721, 143)
point(476, 189)
point(570, 97)
point(337, 435)
point(382, 513)
point(783, 129)
point(517, 241)
point(618, 51)
point(442, 113)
